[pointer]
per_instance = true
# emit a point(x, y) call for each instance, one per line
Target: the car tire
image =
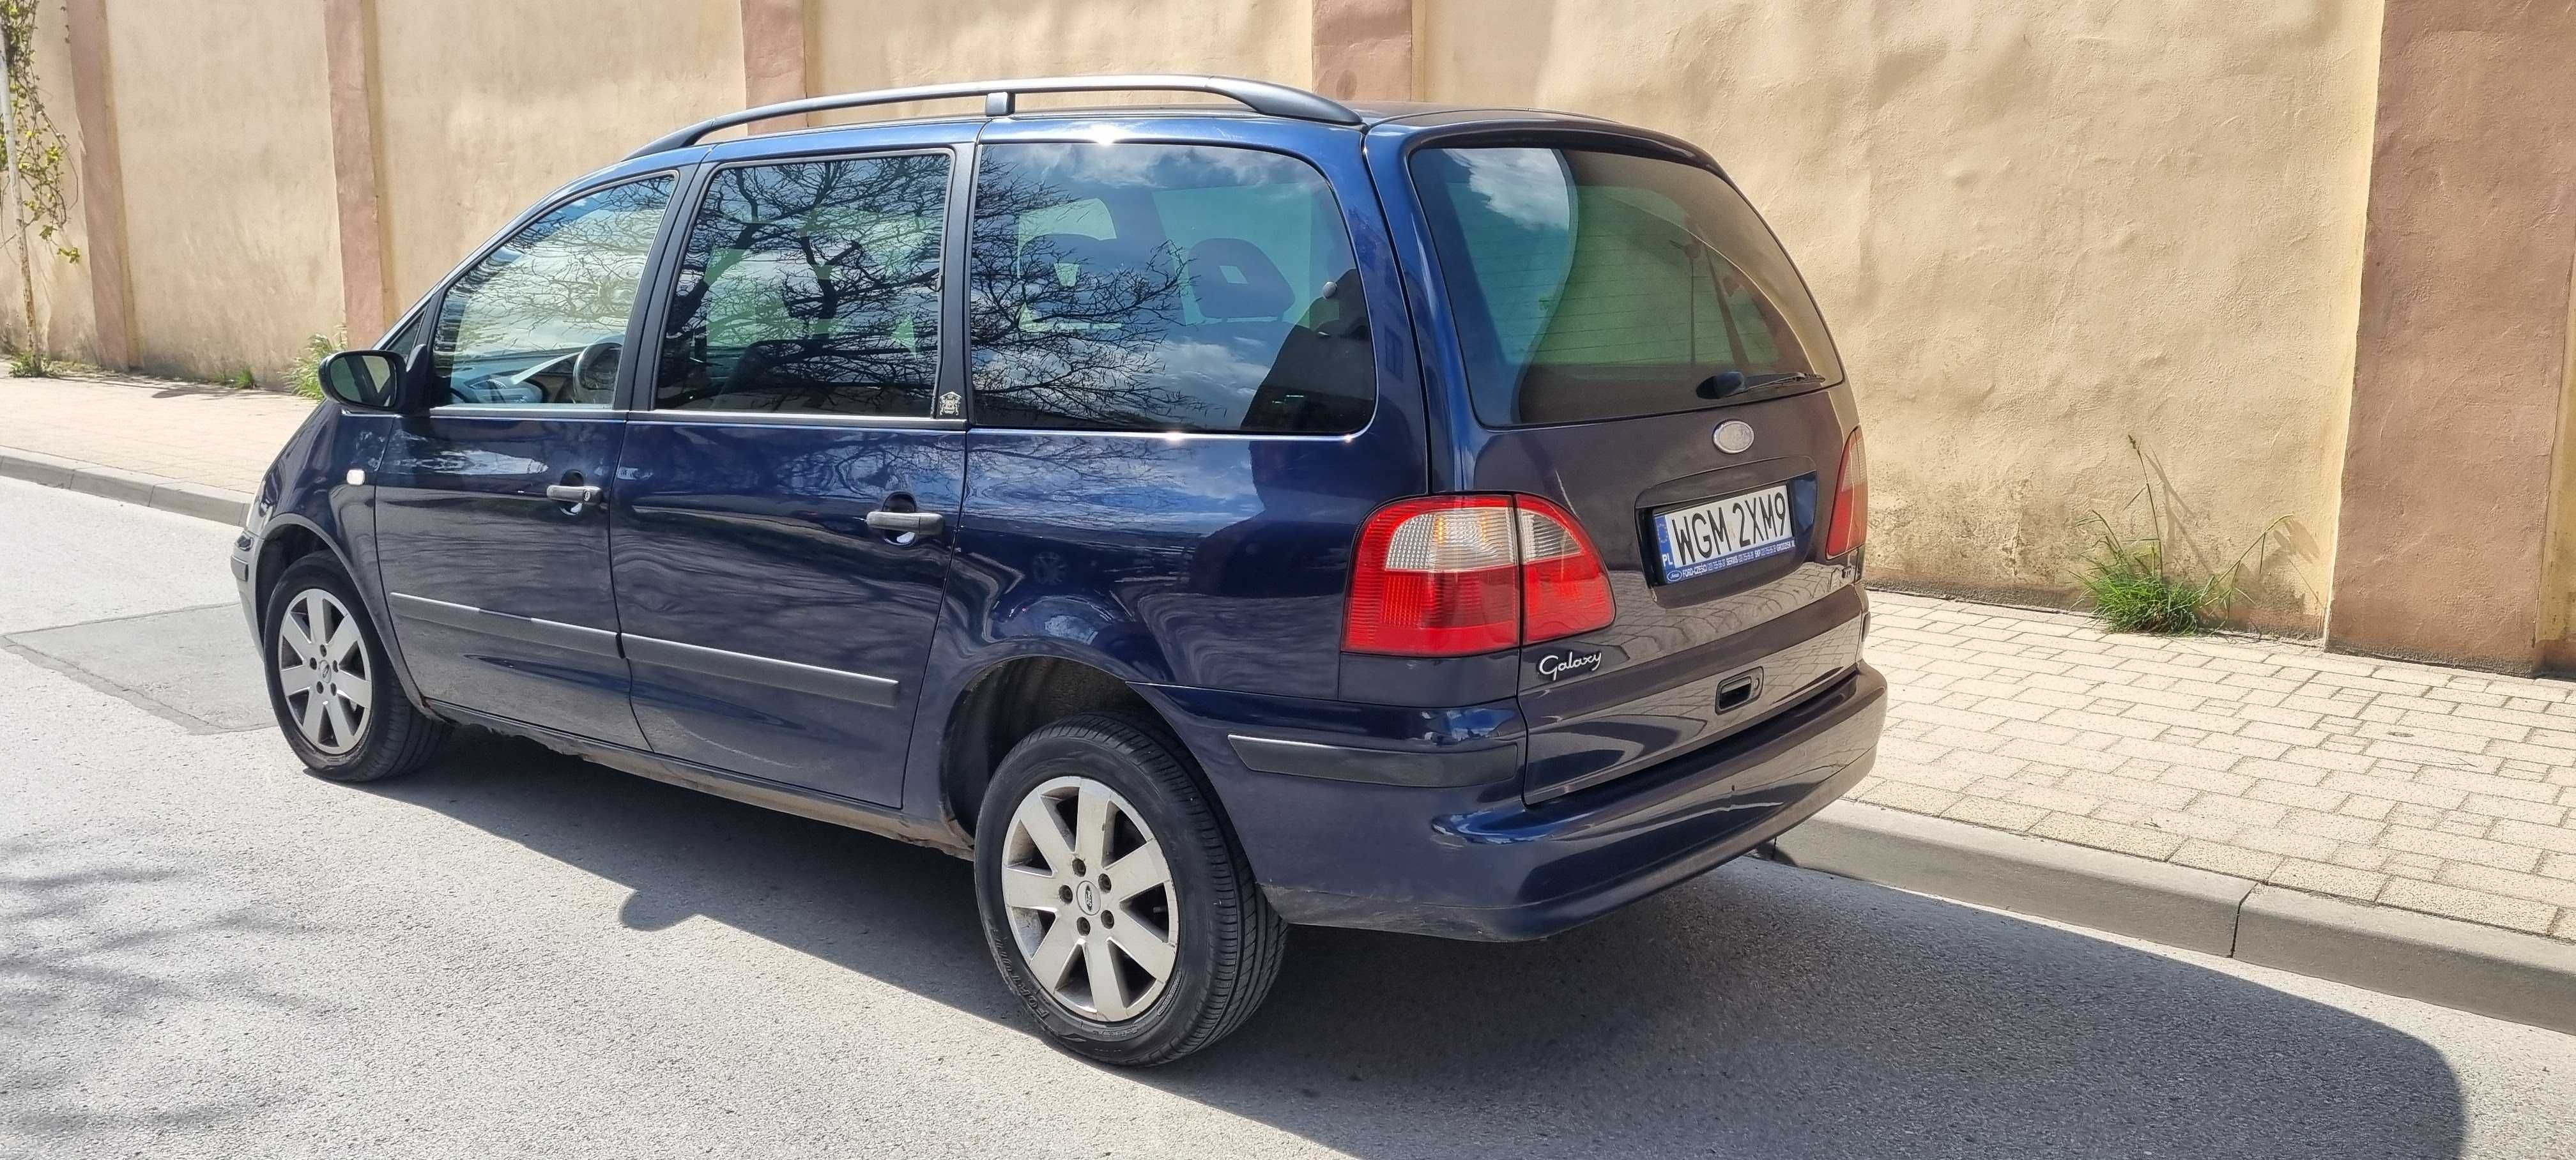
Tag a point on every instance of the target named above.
point(1104, 1000)
point(334, 693)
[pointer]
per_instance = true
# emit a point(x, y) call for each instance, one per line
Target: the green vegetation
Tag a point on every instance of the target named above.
point(306, 376)
point(2131, 592)
point(2134, 586)
point(30, 363)
point(242, 380)
point(33, 154)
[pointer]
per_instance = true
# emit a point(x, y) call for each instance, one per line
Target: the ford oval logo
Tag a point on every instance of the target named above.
point(1734, 436)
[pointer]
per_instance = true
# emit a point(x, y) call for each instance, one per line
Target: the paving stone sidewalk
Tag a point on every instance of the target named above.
point(2437, 790)
point(193, 432)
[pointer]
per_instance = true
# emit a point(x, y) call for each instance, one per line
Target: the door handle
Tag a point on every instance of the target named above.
point(925, 523)
point(574, 494)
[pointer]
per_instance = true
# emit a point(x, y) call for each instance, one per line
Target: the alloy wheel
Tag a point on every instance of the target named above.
point(323, 671)
point(1089, 897)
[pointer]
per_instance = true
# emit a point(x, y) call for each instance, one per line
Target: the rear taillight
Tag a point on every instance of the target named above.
point(1436, 577)
point(1458, 575)
point(1850, 525)
point(1564, 588)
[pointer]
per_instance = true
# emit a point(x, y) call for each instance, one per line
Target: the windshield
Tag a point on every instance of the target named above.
point(1592, 285)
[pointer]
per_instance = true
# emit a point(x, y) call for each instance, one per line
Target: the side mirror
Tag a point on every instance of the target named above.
point(369, 380)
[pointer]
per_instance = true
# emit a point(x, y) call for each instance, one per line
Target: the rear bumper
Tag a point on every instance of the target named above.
point(1475, 862)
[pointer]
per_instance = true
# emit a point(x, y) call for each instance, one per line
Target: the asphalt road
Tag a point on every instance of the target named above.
point(206, 952)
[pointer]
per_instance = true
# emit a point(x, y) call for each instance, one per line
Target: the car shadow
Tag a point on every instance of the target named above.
point(1760, 1010)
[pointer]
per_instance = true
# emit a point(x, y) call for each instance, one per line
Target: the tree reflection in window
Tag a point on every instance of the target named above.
point(539, 321)
point(1163, 287)
point(810, 287)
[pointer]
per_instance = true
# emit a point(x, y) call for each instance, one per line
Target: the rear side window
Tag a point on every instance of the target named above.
point(1591, 285)
point(1141, 287)
point(810, 288)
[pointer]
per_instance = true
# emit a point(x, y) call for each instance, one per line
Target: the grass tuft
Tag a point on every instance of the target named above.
point(306, 376)
point(2133, 587)
point(2131, 591)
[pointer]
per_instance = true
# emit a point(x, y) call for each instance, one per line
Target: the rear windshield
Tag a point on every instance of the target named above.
point(1593, 285)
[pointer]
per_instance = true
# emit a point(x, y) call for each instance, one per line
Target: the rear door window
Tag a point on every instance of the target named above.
point(1142, 287)
point(1594, 285)
point(810, 287)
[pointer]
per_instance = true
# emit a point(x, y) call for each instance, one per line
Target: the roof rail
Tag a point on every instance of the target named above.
point(1001, 97)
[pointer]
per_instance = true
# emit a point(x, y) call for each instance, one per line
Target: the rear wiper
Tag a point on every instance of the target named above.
point(1725, 383)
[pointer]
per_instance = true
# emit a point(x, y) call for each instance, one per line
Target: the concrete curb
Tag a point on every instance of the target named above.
point(2506, 974)
point(170, 495)
point(2157, 901)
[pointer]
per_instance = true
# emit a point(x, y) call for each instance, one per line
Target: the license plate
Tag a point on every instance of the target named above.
point(1722, 533)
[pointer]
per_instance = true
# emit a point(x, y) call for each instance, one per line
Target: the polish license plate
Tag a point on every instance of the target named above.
point(1722, 533)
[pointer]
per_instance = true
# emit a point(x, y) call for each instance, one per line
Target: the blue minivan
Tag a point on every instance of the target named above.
point(1207, 519)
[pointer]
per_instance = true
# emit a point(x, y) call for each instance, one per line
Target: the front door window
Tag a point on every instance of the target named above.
point(541, 321)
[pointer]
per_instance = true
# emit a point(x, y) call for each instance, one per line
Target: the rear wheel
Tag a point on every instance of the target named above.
point(340, 708)
point(1115, 904)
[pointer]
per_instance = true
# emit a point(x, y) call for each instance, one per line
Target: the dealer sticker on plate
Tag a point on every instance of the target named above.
point(1722, 533)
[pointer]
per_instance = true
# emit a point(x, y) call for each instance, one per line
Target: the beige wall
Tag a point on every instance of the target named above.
point(2037, 229)
point(485, 105)
point(224, 130)
point(2462, 383)
point(885, 43)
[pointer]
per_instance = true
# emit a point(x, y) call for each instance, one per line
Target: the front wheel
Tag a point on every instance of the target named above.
point(339, 706)
point(1115, 904)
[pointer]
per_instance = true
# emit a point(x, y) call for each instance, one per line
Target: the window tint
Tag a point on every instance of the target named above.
point(413, 333)
point(1593, 285)
point(810, 287)
point(541, 320)
point(1164, 288)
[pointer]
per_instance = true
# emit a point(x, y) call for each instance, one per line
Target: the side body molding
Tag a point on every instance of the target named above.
point(815, 679)
point(573, 637)
point(859, 687)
